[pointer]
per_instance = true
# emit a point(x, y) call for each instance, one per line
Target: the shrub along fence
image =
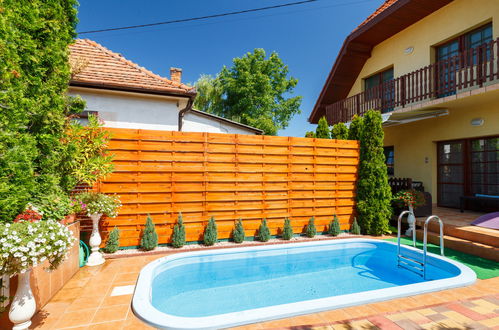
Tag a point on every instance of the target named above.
point(228, 176)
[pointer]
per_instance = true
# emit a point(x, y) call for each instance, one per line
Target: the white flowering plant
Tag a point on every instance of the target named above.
point(91, 202)
point(25, 244)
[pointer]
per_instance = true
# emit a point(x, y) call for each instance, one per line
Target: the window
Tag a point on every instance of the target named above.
point(380, 88)
point(467, 167)
point(466, 50)
point(390, 159)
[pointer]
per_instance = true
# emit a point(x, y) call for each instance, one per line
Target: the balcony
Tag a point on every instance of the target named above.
point(471, 69)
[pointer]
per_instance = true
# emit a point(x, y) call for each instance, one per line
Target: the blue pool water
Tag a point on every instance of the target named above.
point(231, 282)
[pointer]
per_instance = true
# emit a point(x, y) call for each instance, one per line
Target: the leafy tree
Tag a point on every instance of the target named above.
point(34, 76)
point(373, 192)
point(355, 128)
point(322, 130)
point(149, 239)
point(238, 232)
point(310, 134)
point(252, 91)
point(311, 231)
point(355, 227)
point(178, 236)
point(334, 227)
point(339, 131)
point(210, 233)
point(113, 242)
point(287, 231)
point(264, 231)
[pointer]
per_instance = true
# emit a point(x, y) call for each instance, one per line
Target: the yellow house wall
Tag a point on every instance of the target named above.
point(416, 141)
point(448, 22)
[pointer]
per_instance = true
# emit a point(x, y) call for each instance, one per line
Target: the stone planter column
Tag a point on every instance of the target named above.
point(95, 257)
point(23, 306)
point(411, 220)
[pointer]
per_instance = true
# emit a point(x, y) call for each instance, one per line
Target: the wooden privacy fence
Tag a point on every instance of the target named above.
point(228, 176)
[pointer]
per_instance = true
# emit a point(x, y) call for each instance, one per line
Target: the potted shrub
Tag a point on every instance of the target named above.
point(24, 244)
point(411, 199)
point(95, 205)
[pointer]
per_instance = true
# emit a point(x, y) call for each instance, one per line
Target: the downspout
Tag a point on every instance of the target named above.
point(182, 113)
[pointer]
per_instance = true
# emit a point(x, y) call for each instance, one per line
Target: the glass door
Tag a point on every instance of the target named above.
point(451, 173)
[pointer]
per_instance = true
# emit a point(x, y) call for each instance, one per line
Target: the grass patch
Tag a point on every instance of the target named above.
point(484, 268)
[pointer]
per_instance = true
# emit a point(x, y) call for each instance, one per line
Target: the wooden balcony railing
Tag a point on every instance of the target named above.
point(470, 69)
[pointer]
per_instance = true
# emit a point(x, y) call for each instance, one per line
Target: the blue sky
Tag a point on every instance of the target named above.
point(307, 37)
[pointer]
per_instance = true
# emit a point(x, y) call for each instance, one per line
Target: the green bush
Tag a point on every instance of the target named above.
point(264, 231)
point(287, 231)
point(238, 233)
point(310, 134)
point(355, 227)
point(210, 233)
point(311, 231)
point(334, 227)
point(355, 128)
point(55, 206)
point(113, 242)
point(373, 192)
point(322, 130)
point(149, 239)
point(339, 131)
point(178, 236)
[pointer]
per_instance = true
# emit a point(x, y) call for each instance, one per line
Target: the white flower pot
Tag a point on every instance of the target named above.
point(95, 257)
point(411, 220)
point(23, 306)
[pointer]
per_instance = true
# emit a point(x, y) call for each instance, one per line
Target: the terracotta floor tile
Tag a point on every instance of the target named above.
point(114, 325)
point(73, 319)
point(383, 323)
point(334, 315)
point(133, 323)
point(360, 311)
point(67, 295)
point(96, 290)
point(491, 322)
point(85, 303)
point(117, 300)
point(310, 319)
point(125, 277)
point(111, 313)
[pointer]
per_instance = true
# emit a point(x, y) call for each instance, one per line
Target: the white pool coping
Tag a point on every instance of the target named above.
point(143, 308)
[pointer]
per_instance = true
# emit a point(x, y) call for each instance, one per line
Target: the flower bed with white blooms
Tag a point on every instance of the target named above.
point(25, 244)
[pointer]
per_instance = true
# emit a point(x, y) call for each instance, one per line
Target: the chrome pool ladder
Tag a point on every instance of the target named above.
point(410, 263)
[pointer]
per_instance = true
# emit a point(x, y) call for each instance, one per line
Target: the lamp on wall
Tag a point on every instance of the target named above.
point(477, 122)
point(408, 50)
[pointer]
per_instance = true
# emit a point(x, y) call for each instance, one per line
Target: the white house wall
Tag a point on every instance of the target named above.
point(132, 110)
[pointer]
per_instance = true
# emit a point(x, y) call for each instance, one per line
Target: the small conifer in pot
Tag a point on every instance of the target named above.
point(311, 231)
point(149, 239)
point(264, 231)
point(210, 233)
point(287, 231)
point(238, 233)
point(334, 227)
point(178, 237)
point(113, 242)
point(355, 227)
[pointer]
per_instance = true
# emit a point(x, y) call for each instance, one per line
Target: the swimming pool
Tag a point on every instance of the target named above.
point(222, 288)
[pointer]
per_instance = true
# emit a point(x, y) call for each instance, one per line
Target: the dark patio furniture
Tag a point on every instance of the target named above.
point(493, 200)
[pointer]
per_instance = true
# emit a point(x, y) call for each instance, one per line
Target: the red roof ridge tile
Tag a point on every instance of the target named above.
point(378, 11)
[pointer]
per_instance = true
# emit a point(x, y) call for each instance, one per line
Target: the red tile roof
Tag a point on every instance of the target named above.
point(95, 65)
point(378, 11)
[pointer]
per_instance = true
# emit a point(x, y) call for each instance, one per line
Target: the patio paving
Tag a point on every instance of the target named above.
point(99, 298)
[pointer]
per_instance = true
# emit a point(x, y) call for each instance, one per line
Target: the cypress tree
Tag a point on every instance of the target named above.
point(355, 128)
point(311, 231)
point(373, 192)
point(264, 231)
point(355, 227)
point(334, 227)
point(238, 233)
point(287, 231)
point(178, 237)
point(322, 130)
point(149, 239)
point(210, 233)
point(113, 241)
point(339, 131)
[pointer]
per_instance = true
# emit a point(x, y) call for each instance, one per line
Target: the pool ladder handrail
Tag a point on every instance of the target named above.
point(402, 260)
